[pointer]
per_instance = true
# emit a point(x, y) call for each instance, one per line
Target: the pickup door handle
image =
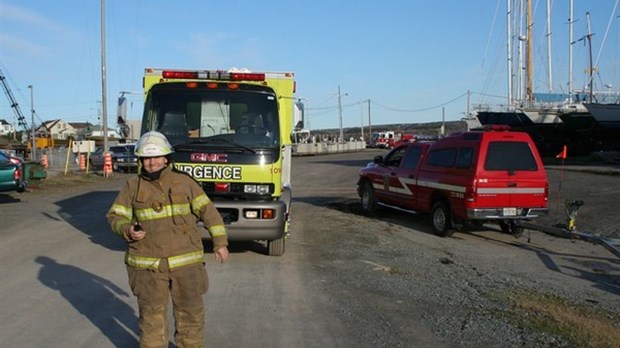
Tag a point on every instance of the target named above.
point(512, 184)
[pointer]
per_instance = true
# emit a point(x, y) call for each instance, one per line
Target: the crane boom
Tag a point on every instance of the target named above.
point(21, 120)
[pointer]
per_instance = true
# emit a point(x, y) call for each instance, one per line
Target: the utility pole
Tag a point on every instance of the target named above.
point(104, 98)
point(340, 115)
point(468, 110)
point(443, 121)
point(362, 118)
point(369, 124)
point(33, 151)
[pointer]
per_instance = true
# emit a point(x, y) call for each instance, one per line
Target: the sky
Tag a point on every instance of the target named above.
point(416, 61)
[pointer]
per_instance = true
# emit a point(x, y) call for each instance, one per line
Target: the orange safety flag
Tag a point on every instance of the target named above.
point(562, 154)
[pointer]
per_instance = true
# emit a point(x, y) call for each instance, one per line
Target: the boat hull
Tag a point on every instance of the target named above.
point(576, 129)
point(606, 115)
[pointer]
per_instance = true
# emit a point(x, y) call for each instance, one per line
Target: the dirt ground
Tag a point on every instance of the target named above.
point(345, 280)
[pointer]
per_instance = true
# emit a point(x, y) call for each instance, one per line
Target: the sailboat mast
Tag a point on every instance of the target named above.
point(570, 53)
point(520, 93)
point(550, 82)
point(589, 37)
point(529, 53)
point(509, 49)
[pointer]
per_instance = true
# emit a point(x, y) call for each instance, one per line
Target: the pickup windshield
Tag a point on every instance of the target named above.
point(246, 118)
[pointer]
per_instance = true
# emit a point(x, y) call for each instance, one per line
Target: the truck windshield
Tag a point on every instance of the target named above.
point(248, 118)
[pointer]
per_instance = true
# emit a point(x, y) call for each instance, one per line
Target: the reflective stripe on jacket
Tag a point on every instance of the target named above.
point(173, 261)
point(168, 209)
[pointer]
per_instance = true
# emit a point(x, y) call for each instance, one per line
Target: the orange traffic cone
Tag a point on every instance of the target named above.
point(107, 166)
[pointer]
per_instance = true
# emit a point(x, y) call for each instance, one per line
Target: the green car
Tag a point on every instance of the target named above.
point(11, 175)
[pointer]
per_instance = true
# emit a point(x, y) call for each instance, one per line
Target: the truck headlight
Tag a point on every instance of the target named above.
point(259, 189)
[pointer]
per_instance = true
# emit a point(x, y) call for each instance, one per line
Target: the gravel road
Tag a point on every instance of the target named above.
point(346, 280)
point(402, 284)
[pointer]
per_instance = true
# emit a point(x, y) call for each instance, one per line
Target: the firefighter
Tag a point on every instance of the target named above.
point(156, 214)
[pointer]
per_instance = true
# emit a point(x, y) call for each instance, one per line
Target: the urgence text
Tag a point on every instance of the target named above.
point(211, 172)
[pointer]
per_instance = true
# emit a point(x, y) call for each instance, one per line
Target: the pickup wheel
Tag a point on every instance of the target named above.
point(368, 199)
point(275, 247)
point(441, 219)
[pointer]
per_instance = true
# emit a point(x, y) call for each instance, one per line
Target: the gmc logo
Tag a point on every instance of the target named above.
point(209, 157)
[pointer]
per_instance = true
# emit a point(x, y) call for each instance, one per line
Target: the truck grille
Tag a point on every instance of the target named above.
point(229, 215)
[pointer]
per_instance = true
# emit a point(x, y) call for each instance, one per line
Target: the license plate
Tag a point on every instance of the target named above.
point(509, 211)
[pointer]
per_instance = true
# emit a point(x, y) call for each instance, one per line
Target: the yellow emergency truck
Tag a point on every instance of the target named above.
point(230, 130)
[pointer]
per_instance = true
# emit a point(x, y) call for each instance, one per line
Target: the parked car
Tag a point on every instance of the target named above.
point(123, 158)
point(96, 159)
point(493, 175)
point(13, 159)
point(11, 175)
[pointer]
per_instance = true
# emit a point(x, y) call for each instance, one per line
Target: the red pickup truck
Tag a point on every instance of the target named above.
point(471, 177)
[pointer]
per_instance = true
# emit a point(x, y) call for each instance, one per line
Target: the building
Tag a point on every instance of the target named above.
point(56, 129)
point(6, 128)
point(82, 129)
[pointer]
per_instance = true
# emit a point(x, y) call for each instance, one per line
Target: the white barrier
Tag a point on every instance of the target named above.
point(326, 148)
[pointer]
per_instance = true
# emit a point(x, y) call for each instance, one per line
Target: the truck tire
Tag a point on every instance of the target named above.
point(442, 219)
point(368, 199)
point(275, 247)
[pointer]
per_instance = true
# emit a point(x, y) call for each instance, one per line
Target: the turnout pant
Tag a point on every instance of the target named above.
point(154, 288)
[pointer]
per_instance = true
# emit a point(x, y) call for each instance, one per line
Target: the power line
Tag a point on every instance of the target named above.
point(424, 109)
point(327, 109)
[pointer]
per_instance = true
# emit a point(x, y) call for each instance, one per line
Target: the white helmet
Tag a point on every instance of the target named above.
point(153, 144)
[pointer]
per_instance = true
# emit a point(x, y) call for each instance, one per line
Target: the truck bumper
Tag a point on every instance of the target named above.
point(240, 226)
point(506, 214)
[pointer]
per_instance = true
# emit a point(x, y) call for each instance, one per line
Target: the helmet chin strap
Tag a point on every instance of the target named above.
point(154, 175)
